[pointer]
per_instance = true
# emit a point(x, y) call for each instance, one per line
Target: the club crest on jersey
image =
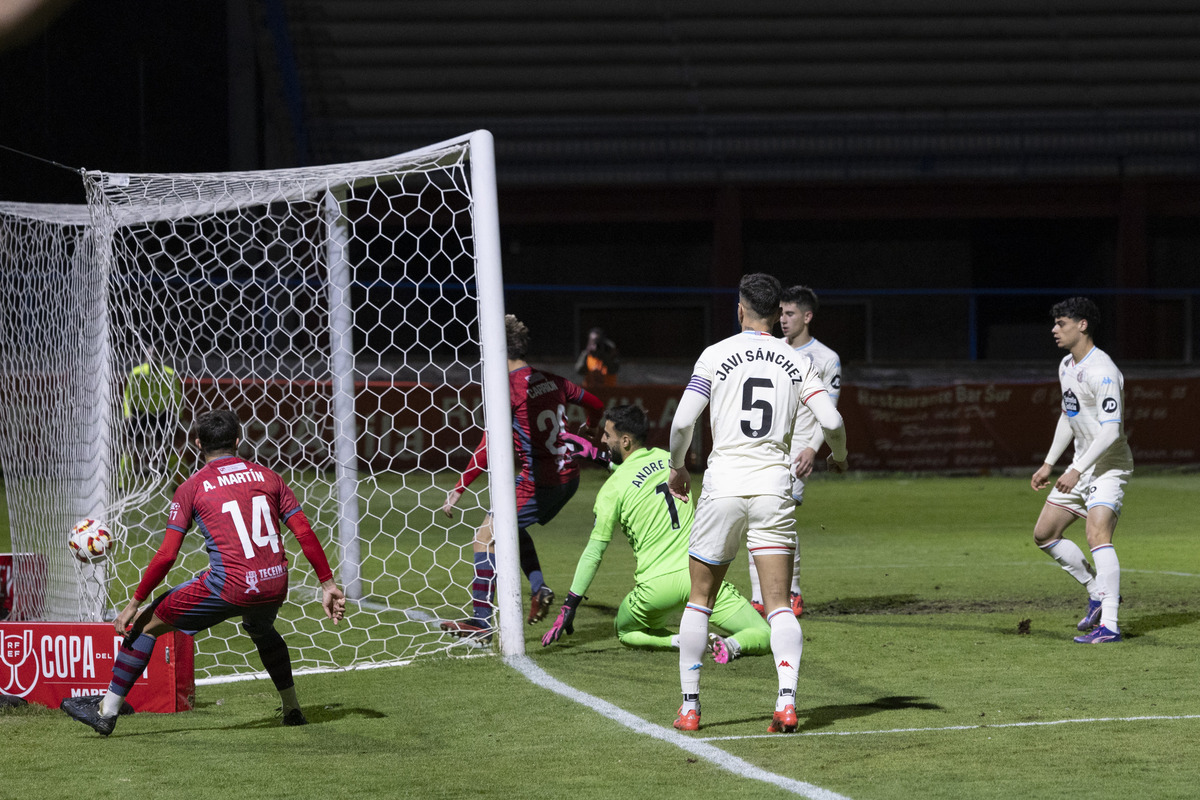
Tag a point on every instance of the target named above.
point(1070, 403)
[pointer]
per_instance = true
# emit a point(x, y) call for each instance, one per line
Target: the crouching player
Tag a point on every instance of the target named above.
point(237, 505)
point(635, 497)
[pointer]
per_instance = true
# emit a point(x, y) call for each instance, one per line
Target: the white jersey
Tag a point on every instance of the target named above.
point(829, 368)
point(1093, 395)
point(755, 385)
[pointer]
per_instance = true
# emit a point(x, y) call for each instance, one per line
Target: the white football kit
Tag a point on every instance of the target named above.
point(1093, 398)
point(754, 385)
point(808, 432)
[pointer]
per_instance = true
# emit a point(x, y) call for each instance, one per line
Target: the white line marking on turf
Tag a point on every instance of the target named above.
point(526, 666)
point(955, 727)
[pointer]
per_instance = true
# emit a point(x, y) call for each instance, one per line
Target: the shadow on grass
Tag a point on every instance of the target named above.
point(316, 716)
point(1157, 622)
point(824, 716)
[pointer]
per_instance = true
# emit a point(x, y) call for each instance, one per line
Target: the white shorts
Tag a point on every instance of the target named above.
point(1105, 489)
point(765, 521)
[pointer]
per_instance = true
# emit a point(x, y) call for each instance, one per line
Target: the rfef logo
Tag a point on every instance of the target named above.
point(18, 663)
point(27, 657)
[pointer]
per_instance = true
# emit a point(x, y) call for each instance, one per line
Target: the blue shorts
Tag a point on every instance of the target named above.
point(193, 607)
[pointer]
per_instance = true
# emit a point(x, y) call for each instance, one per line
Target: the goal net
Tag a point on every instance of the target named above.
point(351, 314)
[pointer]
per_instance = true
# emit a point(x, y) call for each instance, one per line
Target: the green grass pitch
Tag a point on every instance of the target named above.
point(917, 680)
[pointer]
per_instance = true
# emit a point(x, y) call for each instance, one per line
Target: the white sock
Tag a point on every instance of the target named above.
point(693, 638)
point(1108, 580)
point(110, 706)
point(796, 570)
point(1072, 559)
point(675, 641)
point(787, 645)
point(755, 588)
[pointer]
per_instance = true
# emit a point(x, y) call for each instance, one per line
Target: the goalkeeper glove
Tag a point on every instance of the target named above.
point(565, 621)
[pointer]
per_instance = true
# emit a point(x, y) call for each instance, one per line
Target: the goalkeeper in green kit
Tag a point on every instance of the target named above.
point(635, 496)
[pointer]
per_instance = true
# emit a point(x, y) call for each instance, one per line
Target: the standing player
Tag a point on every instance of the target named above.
point(756, 385)
point(237, 505)
point(636, 497)
point(797, 309)
point(151, 404)
point(547, 477)
point(1093, 405)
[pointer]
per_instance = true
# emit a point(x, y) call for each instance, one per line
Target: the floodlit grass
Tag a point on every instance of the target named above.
point(916, 682)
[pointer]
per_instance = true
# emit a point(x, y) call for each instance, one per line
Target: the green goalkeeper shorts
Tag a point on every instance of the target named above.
point(656, 604)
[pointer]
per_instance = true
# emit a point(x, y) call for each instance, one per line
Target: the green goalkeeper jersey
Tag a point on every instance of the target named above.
point(635, 496)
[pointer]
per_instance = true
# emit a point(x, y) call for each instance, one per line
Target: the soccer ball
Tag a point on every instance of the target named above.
point(89, 541)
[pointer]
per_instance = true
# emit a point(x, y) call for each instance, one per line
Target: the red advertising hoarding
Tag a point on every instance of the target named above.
point(958, 427)
point(25, 602)
point(47, 662)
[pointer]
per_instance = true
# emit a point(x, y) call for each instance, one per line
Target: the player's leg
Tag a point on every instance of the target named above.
point(772, 540)
point(642, 616)
point(746, 633)
point(548, 501)
point(100, 711)
point(693, 636)
point(755, 588)
point(795, 597)
point(1059, 512)
point(1104, 508)
point(259, 623)
point(483, 586)
point(719, 527)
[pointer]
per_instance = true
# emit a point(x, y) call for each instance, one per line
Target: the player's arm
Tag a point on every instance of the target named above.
point(691, 406)
point(585, 572)
point(593, 405)
point(333, 600)
point(1062, 438)
point(155, 572)
point(607, 513)
point(832, 425)
point(127, 401)
point(475, 468)
point(831, 376)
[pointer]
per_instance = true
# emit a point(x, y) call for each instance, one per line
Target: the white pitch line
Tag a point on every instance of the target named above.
point(956, 727)
point(697, 747)
point(1046, 563)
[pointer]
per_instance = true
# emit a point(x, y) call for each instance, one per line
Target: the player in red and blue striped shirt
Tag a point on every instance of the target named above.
point(547, 475)
point(237, 506)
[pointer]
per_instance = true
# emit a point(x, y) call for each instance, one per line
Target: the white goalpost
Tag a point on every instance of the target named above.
point(353, 316)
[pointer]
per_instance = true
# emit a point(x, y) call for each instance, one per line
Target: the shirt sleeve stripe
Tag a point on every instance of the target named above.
point(700, 385)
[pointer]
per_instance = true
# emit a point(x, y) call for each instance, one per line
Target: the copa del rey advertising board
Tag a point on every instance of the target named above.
point(47, 662)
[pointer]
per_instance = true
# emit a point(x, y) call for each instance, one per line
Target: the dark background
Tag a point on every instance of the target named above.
point(941, 175)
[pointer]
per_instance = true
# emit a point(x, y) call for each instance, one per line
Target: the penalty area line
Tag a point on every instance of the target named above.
point(697, 747)
point(960, 727)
